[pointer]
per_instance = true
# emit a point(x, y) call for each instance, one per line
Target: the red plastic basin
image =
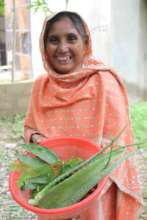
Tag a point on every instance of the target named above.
point(86, 209)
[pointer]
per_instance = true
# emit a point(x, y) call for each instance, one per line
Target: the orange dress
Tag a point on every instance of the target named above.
point(91, 104)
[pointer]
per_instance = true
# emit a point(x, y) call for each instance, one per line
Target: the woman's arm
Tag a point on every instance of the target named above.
point(31, 132)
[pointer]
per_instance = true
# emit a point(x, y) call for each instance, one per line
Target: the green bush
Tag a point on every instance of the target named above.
point(138, 114)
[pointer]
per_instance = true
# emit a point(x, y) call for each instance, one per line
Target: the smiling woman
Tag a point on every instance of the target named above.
point(65, 47)
point(81, 97)
point(65, 43)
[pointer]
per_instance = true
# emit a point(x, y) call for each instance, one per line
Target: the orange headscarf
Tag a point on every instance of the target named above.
point(92, 104)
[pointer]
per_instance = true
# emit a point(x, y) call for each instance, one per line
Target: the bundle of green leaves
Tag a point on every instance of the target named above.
point(56, 183)
point(36, 172)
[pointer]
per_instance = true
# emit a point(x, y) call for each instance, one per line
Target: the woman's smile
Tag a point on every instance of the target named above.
point(63, 60)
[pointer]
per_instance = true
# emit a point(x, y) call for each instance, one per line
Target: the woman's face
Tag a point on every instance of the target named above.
point(65, 47)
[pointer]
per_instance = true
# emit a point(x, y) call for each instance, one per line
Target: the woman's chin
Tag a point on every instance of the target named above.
point(67, 69)
point(63, 70)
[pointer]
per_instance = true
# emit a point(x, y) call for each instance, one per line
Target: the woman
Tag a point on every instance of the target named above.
point(80, 97)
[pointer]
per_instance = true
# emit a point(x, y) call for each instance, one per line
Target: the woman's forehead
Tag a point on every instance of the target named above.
point(63, 25)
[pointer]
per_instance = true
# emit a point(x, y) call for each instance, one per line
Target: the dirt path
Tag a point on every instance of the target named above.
point(8, 208)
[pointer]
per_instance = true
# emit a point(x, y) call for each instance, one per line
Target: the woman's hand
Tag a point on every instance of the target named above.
point(37, 138)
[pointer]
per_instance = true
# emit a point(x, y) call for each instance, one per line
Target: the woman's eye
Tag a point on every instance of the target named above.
point(53, 40)
point(72, 38)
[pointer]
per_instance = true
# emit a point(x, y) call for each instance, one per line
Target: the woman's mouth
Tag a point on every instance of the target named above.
point(64, 59)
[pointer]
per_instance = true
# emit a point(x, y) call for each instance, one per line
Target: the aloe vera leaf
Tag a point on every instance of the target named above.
point(113, 140)
point(35, 188)
point(65, 175)
point(70, 171)
point(67, 165)
point(32, 162)
point(74, 187)
point(35, 172)
point(31, 168)
point(43, 153)
point(40, 179)
point(30, 186)
point(36, 182)
point(37, 178)
point(19, 167)
point(40, 166)
point(78, 167)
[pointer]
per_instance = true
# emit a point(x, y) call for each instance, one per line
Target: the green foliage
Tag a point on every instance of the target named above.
point(70, 164)
point(43, 153)
point(54, 187)
point(80, 182)
point(138, 114)
point(36, 173)
point(2, 7)
point(40, 5)
point(18, 124)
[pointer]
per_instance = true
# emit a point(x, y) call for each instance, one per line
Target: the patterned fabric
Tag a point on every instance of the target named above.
point(91, 104)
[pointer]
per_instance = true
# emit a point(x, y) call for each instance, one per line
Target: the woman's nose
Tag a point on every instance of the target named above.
point(63, 47)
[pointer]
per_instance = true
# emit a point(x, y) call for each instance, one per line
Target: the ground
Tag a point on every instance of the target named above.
point(10, 139)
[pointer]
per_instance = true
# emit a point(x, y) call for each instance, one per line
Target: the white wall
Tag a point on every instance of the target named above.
point(36, 23)
point(143, 47)
point(129, 40)
point(125, 37)
point(97, 15)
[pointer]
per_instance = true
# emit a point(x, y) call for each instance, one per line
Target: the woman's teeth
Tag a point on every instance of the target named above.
point(64, 60)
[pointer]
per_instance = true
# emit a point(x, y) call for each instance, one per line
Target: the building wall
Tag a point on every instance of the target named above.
point(97, 15)
point(19, 39)
point(3, 59)
point(143, 46)
point(128, 35)
point(14, 98)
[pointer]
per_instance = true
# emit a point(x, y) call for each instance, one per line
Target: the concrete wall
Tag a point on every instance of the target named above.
point(14, 98)
point(128, 42)
point(96, 13)
point(143, 46)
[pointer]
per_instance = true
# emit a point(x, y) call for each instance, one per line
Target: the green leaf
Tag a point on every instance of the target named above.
point(40, 179)
point(80, 182)
point(30, 173)
point(31, 162)
point(67, 165)
point(42, 152)
point(138, 113)
point(2, 7)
